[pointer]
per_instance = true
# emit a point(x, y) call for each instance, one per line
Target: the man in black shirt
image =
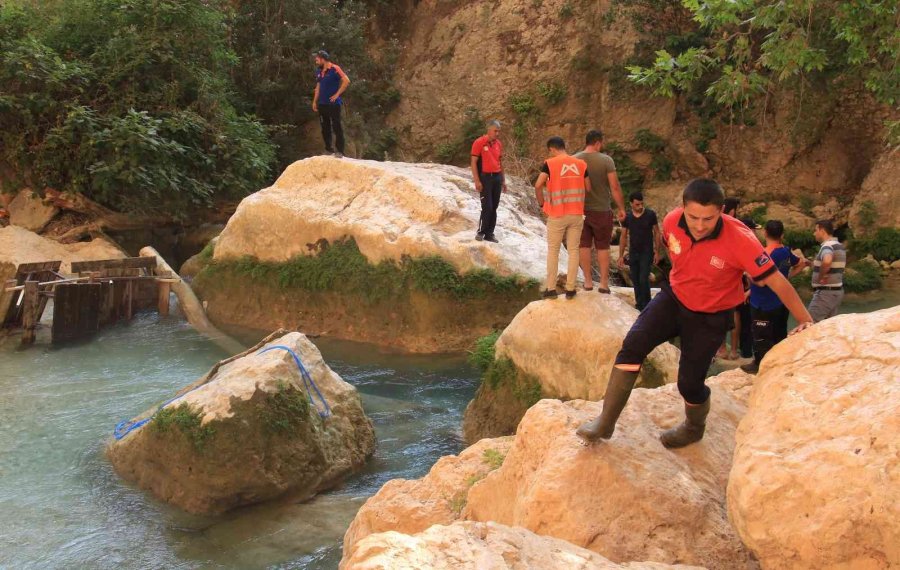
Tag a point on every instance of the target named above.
point(639, 244)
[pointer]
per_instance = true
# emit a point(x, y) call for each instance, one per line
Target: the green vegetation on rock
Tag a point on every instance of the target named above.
point(187, 420)
point(341, 267)
point(457, 149)
point(501, 372)
point(285, 409)
point(883, 245)
point(493, 458)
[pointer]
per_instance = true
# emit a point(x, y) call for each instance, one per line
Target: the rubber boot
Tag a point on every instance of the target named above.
point(617, 391)
point(690, 430)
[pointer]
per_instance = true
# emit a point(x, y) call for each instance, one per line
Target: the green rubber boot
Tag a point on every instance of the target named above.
point(617, 391)
point(690, 430)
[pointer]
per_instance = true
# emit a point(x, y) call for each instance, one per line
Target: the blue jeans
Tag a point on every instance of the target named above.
point(640, 263)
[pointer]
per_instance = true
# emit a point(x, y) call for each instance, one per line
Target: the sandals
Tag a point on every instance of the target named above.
point(603, 290)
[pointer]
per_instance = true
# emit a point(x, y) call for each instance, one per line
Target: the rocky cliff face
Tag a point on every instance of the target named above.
point(556, 68)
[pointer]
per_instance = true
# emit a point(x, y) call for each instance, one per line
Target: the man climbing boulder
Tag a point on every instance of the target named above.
point(710, 253)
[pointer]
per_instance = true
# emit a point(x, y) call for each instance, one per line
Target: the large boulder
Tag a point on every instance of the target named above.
point(816, 475)
point(247, 432)
point(628, 498)
point(391, 210)
point(412, 506)
point(375, 251)
point(566, 349)
point(27, 210)
point(479, 546)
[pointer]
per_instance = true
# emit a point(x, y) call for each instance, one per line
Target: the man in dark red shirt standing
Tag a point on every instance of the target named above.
point(710, 253)
point(487, 170)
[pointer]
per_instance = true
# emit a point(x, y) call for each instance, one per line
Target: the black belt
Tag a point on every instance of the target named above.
point(826, 288)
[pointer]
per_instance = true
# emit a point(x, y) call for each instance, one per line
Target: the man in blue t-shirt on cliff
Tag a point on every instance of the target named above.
point(769, 315)
point(331, 82)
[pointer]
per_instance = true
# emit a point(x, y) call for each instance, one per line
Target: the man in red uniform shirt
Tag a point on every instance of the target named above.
point(487, 170)
point(709, 252)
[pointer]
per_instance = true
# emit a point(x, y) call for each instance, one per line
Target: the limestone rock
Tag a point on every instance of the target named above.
point(816, 475)
point(878, 196)
point(28, 211)
point(568, 347)
point(628, 498)
point(896, 264)
point(247, 432)
point(391, 209)
point(412, 506)
point(479, 546)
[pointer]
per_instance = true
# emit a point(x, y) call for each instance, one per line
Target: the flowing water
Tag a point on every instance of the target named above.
point(62, 506)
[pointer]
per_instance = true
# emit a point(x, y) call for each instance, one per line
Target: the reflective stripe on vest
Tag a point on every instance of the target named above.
point(565, 188)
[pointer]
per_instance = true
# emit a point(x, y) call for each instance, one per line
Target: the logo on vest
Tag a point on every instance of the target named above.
point(716, 262)
point(570, 168)
point(762, 260)
point(674, 244)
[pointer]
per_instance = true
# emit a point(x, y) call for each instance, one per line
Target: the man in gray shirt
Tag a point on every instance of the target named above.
point(598, 218)
point(828, 273)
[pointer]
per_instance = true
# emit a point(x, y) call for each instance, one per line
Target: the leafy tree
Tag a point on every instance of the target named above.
point(755, 45)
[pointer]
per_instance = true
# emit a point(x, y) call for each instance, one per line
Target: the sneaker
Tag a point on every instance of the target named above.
point(751, 368)
point(549, 294)
point(479, 237)
point(571, 294)
point(339, 155)
point(491, 238)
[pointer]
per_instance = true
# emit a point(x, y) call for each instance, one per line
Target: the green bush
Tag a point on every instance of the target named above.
point(483, 355)
point(862, 276)
point(649, 141)
point(758, 214)
point(883, 245)
point(804, 240)
point(553, 92)
point(630, 176)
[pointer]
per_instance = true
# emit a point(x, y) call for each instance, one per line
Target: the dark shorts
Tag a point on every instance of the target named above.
point(597, 230)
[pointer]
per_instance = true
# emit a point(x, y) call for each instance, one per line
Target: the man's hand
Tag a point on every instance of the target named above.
point(801, 327)
point(621, 215)
point(315, 106)
point(504, 188)
point(620, 262)
point(334, 98)
point(655, 258)
point(479, 186)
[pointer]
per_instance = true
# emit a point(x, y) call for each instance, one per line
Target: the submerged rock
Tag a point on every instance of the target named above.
point(816, 476)
point(247, 432)
point(375, 251)
point(479, 546)
point(562, 349)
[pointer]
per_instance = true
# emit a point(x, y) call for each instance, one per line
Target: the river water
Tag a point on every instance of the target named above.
point(62, 506)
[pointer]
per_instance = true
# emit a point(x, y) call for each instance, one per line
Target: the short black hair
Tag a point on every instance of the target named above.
point(636, 196)
point(556, 142)
point(593, 137)
point(731, 204)
point(704, 191)
point(774, 229)
point(323, 54)
point(826, 225)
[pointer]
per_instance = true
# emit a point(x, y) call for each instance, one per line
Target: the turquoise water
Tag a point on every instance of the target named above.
point(62, 506)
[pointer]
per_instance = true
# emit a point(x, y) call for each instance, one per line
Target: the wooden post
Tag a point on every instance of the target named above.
point(165, 287)
point(129, 294)
point(30, 304)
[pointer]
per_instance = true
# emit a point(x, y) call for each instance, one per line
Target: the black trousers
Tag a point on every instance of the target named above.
point(330, 119)
point(640, 263)
point(769, 328)
point(490, 200)
point(701, 336)
point(746, 331)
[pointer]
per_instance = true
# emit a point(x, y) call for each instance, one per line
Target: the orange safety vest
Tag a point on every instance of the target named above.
point(564, 195)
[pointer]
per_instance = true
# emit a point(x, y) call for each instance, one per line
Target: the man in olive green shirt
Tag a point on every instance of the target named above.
point(598, 217)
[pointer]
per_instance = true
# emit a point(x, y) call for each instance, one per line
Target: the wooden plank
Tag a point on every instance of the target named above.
point(38, 267)
point(104, 264)
point(30, 304)
point(165, 288)
point(76, 311)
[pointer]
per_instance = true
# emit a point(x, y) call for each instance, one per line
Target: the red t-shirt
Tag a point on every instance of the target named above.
point(489, 152)
point(706, 274)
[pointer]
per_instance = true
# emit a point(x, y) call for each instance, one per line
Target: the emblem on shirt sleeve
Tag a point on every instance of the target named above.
point(717, 262)
point(486, 148)
point(762, 260)
point(674, 244)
